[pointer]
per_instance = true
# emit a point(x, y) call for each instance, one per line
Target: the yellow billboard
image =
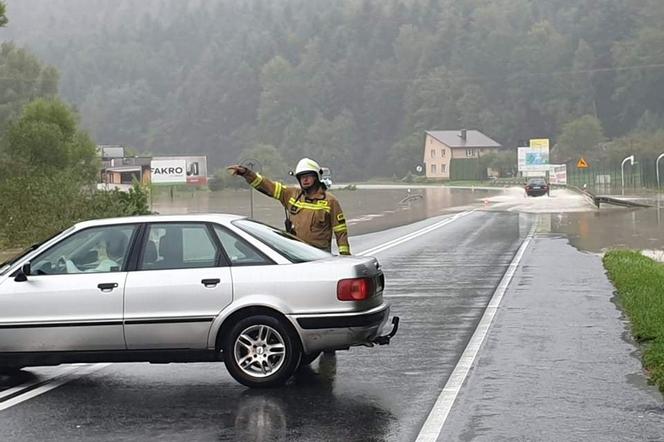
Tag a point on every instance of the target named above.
point(539, 144)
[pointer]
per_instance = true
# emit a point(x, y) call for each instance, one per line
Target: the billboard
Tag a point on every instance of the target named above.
point(108, 151)
point(168, 171)
point(535, 157)
point(558, 174)
point(194, 168)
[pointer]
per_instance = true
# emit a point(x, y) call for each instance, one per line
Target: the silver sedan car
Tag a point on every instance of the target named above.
point(187, 288)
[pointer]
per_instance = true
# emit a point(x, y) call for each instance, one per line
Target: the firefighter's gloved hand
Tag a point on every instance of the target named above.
point(236, 169)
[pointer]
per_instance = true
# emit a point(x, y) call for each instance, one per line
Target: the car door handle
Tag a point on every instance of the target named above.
point(107, 286)
point(210, 282)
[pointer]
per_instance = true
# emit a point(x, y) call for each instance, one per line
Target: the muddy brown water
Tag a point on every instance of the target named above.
point(607, 228)
point(366, 210)
point(371, 210)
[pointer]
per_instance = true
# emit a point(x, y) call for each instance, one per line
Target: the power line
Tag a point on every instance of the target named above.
point(519, 73)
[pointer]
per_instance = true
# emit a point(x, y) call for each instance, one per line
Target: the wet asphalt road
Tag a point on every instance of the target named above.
point(559, 364)
point(438, 283)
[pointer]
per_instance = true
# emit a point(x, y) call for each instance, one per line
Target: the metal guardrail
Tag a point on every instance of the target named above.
point(599, 199)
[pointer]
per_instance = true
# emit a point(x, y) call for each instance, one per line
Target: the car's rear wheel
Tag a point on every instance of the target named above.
point(261, 351)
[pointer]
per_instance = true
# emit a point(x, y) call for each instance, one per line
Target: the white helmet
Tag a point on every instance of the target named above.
point(307, 165)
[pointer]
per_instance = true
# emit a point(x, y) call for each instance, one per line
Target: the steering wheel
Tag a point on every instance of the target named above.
point(61, 265)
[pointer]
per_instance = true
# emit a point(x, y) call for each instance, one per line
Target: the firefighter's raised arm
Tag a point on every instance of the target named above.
point(264, 185)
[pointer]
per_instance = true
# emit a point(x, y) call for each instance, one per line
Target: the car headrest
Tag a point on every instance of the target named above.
point(150, 254)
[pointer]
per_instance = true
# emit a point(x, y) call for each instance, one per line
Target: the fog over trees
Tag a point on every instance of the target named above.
point(353, 83)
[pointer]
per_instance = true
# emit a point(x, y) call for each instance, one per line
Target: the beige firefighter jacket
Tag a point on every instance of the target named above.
point(314, 218)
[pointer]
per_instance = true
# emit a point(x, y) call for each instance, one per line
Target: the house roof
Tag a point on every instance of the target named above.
point(452, 138)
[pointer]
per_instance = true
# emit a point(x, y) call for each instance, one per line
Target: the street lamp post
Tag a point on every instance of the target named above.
point(622, 170)
point(657, 168)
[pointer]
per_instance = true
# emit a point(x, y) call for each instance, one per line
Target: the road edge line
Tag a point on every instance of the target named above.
point(424, 230)
point(433, 426)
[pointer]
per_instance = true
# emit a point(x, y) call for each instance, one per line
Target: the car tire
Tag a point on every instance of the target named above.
point(261, 351)
point(307, 359)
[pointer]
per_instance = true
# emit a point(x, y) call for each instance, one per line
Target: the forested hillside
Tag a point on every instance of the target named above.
point(352, 83)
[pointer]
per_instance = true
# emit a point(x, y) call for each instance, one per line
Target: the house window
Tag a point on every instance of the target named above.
point(442, 168)
point(443, 152)
point(433, 153)
point(470, 152)
point(433, 168)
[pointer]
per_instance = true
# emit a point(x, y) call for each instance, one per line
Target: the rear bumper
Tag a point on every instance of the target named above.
point(536, 192)
point(340, 331)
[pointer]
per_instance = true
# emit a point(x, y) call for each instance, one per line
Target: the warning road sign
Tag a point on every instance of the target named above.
point(582, 164)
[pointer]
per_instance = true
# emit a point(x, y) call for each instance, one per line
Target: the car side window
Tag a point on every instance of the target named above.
point(95, 250)
point(178, 246)
point(238, 250)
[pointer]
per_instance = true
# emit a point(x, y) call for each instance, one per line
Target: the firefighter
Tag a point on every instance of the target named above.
point(312, 213)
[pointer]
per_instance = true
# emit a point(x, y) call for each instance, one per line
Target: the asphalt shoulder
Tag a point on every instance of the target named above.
point(558, 362)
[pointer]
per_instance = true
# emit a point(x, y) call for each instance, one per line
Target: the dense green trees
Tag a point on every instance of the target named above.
point(48, 175)
point(581, 137)
point(22, 79)
point(3, 17)
point(353, 83)
point(46, 139)
point(48, 166)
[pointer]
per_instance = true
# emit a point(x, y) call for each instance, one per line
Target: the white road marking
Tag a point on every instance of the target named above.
point(54, 382)
point(14, 390)
point(433, 426)
point(412, 235)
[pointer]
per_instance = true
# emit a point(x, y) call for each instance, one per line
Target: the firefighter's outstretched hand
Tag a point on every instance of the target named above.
point(237, 170)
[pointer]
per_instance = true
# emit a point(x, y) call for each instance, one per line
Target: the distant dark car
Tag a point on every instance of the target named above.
point(537, 187)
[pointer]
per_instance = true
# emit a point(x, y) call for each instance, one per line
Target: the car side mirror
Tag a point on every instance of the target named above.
point(23, 273)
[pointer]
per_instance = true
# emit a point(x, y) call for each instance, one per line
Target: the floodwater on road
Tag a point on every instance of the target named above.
point(376, 209)
point(607, 228)
point(366, 210)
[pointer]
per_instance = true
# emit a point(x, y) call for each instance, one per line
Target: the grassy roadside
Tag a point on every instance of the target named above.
point(640, 284)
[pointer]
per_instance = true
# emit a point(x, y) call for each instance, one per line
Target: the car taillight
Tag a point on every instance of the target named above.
point(357, 289)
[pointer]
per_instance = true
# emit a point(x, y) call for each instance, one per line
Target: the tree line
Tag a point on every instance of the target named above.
point(355, 83)
point(48, 165)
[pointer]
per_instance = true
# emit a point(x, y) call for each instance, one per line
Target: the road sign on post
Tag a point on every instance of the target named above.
point(582, 164)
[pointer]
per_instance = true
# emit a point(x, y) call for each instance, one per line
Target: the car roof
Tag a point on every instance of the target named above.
point(201, 217)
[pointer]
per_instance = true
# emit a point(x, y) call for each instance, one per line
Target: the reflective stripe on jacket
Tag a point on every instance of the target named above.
point(315, 218)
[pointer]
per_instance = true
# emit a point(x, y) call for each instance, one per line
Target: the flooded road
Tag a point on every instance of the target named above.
point(366, 210)
point(604, 229)
point(373, 210)
point(376, 209)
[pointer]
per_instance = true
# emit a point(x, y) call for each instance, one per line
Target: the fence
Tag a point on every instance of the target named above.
point(467, 169)
point(605, 177)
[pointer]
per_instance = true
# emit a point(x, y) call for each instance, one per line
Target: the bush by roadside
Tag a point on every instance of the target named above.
point(639, 282)
point(33, 208)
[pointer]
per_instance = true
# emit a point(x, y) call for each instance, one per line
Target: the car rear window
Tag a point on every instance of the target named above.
point(284, 243)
